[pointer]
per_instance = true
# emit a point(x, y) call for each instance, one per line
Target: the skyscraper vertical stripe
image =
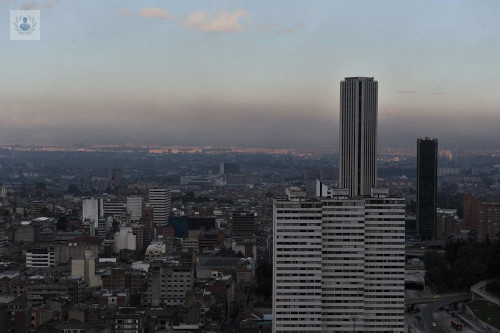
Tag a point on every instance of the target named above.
point(358, 135)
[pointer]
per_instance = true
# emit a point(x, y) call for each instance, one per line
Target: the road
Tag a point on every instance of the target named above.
point(414, 324)
point(444, 319)
point(429, 309)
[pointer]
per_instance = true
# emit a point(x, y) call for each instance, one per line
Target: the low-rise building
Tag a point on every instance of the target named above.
point(40, 257)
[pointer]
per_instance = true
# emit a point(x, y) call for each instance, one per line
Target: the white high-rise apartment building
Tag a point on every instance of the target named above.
point(358, 135)
point(348, 241)
point(359, 271)
point(160, 200)
point(384, 262)
point(343, 264)
point(297, 273)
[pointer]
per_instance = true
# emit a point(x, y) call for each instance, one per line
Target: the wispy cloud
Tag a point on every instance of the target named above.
point(220, 21)
point(155, 13)
point(47, 4)
point(437, 93)
point(124, 13)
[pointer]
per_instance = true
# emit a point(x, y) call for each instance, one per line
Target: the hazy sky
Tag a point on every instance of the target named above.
point(250, 73)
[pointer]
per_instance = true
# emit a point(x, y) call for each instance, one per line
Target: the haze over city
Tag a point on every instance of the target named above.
point(257, 74)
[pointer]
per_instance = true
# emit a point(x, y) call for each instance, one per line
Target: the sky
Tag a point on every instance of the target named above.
point(250, 73)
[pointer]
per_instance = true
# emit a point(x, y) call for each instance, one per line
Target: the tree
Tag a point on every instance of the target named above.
point(73, 189)
point(436, 270)
point(264, 277)
point(44, 211)
point(62, 223)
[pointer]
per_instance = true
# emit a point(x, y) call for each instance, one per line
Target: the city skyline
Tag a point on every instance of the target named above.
point(253, 74)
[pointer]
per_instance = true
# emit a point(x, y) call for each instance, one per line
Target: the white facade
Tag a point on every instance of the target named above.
point(358, 135)
point(155, 251)
point(297, 266)
point(343, 238)
point(160, 199)
point(360, 266)
point(134, 207)
point(384, 263)
point(125, 239)
point(113, 207)
point(40, 257)
point(92, 209)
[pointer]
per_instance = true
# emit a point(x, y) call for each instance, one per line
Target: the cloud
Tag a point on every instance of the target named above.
point(124, 13)
point(220, 21)
point(47, 4)
point(155, 13)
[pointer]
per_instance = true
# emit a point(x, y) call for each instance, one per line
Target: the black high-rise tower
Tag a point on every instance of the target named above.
point(427, 150)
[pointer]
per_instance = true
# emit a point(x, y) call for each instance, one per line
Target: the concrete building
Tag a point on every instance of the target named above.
point(15, 314)
point(347, 245)
point(114, 208)
point(76, 247)
point(155, 250)
point(189, 244)
point(481, 217)
point(228, 168)
point(243, 223)
point(297, 248)
point(104, 225)
point(129, 323)
point(125, 239)
point(446, 223)
point(26, 232)
point(85, 267)
point(40, 257)
point(3, 238)
point(160, 201)
point(92, 210)
point(358, 135)
point(37, 207)
point(427, 162)
point(134, 207)
point(167, 284)
point(349, 251)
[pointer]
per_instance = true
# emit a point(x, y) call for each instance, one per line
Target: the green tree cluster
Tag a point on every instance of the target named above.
point(190, 197)
point(264, 277)
point(462, 265)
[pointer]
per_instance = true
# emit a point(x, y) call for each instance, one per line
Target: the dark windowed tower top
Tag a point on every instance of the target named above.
point(358, 135)
point(427, 150)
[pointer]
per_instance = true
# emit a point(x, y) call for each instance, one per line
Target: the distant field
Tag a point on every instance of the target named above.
point(485, 310)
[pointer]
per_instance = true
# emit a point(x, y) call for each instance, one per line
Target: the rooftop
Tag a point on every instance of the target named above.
point(356, 78)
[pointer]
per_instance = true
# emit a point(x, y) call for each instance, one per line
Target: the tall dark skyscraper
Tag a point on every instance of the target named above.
point(427, 150)
point(358, 135)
